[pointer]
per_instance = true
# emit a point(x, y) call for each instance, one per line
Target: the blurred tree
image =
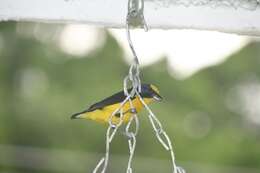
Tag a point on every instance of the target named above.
point(41, 86)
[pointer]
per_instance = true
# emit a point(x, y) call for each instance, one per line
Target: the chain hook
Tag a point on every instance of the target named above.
point(135, 14)
point(134, 18)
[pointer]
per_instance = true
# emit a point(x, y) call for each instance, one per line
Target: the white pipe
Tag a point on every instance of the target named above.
point(232, 16)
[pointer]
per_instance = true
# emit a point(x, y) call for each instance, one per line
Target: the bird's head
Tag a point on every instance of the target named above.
point(150, 91)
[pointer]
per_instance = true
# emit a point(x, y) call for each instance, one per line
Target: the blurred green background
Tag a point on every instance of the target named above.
point(213, 117)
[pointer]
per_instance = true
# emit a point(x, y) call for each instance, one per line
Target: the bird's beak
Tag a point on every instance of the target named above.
point(157, 97)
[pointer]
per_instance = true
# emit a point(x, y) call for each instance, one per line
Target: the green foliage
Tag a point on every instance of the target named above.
point(40, 87)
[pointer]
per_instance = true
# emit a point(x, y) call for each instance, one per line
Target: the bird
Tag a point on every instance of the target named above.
point(102, 111)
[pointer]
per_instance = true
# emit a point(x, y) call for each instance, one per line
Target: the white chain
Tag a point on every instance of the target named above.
point(161, 135)
point(135, 9)
point(113, 127)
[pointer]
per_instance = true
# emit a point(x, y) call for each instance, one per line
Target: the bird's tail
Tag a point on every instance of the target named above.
point(78, 115)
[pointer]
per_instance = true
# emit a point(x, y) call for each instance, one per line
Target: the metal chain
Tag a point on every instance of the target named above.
point(132, 80)
point(161, 135)
point(110, 134)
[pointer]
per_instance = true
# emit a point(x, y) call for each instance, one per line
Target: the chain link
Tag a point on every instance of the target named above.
point(131, 135)
point(161, 135)
point(133, 78)
point(110, 134)
point(132, 81)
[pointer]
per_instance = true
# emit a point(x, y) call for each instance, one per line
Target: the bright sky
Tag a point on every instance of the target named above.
point(80, 40)
point(187, 50)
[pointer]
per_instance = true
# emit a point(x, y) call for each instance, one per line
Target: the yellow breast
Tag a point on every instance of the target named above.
point(103, 115)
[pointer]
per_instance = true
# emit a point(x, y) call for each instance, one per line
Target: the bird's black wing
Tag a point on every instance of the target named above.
point(116, 98)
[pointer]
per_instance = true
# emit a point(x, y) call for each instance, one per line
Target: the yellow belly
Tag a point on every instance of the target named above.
point(103, 115)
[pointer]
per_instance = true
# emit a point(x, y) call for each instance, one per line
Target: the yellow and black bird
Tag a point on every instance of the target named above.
point(102, 110)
